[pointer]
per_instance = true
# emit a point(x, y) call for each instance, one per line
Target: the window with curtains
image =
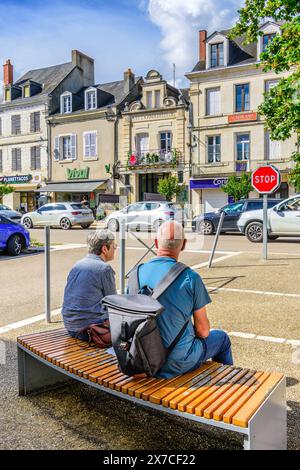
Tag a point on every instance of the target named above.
point(243, 147)
point(242, 97)
point(273, 148)
point(1, 161)
point(213, 148)
point(16, 164)
point(16, 124)
point(35, 122)
point(65, 147)
point(165, 141)
point(35, 158)
point(213, 101)
point(90, 144)
point(91, 100)
point(217, 55)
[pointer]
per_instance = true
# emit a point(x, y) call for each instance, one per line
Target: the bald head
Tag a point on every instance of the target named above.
point(170, 236)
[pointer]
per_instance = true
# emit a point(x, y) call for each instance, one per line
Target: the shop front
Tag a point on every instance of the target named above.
point(26, 193)
point(207, 194)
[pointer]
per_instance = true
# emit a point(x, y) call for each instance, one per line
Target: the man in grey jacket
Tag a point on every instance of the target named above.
point(91, 279)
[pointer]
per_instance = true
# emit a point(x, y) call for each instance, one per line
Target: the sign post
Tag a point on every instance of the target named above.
point(265, 180)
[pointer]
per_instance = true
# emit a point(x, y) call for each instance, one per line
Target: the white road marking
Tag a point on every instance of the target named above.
point(28, 321)
point(258, 292)
point(269, 339)
point(216, 260)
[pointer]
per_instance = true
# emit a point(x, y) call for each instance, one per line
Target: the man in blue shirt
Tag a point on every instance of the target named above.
point(185, 299)
point(91, 279)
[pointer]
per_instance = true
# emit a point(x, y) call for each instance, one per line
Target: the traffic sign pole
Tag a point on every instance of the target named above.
point(265, 227)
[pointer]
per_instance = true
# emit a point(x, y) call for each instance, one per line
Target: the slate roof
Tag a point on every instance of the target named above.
point(49, 77)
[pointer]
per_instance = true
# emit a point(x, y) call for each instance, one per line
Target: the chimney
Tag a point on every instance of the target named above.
point(8, 72)
point(129, 78)
point(202, 45)
point(86, 65)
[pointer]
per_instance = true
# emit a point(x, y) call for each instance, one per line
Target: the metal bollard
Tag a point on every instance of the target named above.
point(47, 275)
point(122, 255)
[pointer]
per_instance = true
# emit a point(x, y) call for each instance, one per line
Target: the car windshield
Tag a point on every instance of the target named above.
point(176, 207)
point(78, 206)
point(4, 208)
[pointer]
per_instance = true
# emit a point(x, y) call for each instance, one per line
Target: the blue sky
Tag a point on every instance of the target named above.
point(141, 34)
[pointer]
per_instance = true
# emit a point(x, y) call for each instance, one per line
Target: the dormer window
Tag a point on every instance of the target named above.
point(66, 103)
point(217, 55)
point(90, 99)
point(7, 94)
point(267, 38)
point(26, 91)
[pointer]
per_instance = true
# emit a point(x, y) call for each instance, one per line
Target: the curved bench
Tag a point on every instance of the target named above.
point(246, 401)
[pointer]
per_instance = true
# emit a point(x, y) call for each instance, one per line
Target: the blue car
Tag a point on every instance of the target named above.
point(13, 236)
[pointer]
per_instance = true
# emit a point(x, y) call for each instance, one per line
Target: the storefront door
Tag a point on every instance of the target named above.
point(148, 183)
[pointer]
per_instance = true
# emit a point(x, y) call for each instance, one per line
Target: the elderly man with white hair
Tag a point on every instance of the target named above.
point(185, 303)
point(91, 279)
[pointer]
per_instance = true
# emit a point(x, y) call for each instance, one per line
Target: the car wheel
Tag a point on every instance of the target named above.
point(157, 224)
point(27, 222)
point(206, 227)
point(113, 225)
point(85, 225)
point(14, 245)
point(65, 223)
point(254, 232)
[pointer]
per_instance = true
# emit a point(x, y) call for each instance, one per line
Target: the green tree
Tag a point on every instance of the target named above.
point(237, 187)
point(281, 106)
point(169, 187)
point(5, 189)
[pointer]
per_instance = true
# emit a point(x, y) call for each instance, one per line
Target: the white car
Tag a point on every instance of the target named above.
point(145, 215)
point(11, 214)
point(60, 214)
point(283, 221)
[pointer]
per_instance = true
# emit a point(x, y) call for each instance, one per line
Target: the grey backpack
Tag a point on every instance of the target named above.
point(133, 323)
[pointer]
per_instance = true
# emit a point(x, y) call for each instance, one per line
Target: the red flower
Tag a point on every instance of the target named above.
point(132, 160)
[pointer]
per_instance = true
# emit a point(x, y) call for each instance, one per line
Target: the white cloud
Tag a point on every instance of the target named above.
point(180, 21)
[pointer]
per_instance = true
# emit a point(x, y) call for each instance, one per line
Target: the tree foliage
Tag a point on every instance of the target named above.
point(237, 187)
point(169, 187)
point(281, 106)
point(5, 189)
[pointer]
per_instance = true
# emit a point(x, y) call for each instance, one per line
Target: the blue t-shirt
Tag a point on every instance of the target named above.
point(183, 297)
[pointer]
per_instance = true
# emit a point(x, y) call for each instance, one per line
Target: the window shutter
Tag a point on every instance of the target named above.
point(56, 149)
point(19, 165)
point(37, 158)
point(32, 127)
point(87, 148)
point(32, 158)
point(13, 160)
point(73, 147)
point(93, 151)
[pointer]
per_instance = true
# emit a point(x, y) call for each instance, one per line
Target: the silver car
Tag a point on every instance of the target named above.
point(145, 215)
point(11, 214)
point(283, 221)
point(60, 214)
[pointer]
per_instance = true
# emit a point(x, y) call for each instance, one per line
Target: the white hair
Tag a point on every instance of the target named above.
point(170, 235)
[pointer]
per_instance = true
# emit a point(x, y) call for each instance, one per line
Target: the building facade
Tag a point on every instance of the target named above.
point(153, 138)
point(84, 142)
point(24, 158)
point(226, 88)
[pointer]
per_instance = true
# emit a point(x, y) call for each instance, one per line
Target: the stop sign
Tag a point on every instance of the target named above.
point(266, 179)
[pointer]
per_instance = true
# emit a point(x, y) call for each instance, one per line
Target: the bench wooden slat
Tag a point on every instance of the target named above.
point(47, 341)
point(191, 393)
point(76, 361)
point(225, 397)
point(44, 334)
point(127, 383)
point(187, 381)
point(227, 417)
point(108, 381)
point(218, 390)
point(85, 369)
point(94, 372)
point(117, 380)
point(97, 376)
point(77, 358)
point(134, 388)
point(242, 417)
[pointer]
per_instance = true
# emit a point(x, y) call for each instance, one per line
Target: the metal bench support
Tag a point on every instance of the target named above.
point(35, 376)
point(268, 426)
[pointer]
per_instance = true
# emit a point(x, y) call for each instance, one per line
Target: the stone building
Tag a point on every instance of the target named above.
point(229, 137)
point(24, 158)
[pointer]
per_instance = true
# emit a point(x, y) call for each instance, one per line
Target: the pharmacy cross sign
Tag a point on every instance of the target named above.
point(266, 179)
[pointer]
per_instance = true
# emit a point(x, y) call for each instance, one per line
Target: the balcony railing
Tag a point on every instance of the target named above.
point(172, 157)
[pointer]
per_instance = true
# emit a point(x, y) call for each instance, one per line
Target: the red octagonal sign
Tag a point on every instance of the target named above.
point(266, 179)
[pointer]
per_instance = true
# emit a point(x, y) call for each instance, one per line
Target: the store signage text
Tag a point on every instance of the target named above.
point(208, 183)
point(17, 179)
point(244, 117)
point(80, 174)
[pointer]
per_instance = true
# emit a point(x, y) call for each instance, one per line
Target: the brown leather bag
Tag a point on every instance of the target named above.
point(99, 334)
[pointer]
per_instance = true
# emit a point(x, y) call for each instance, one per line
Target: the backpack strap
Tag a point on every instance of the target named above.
point(168, 279)
point(133, 281)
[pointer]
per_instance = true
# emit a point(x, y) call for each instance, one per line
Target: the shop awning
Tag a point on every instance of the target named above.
point(82, 187)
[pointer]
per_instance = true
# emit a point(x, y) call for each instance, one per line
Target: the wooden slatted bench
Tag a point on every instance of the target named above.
point(245, 401)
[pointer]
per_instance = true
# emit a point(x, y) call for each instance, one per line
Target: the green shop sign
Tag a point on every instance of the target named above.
point(81, 174)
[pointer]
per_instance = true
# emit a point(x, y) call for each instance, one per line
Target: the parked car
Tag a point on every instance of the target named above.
point(63, 215)
point(13, 236)
point(283, 221)
point(145, 215)
point(13, 215)
point(207, 223)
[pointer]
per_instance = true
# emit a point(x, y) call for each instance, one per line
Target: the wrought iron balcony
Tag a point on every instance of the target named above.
point(172, 157)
